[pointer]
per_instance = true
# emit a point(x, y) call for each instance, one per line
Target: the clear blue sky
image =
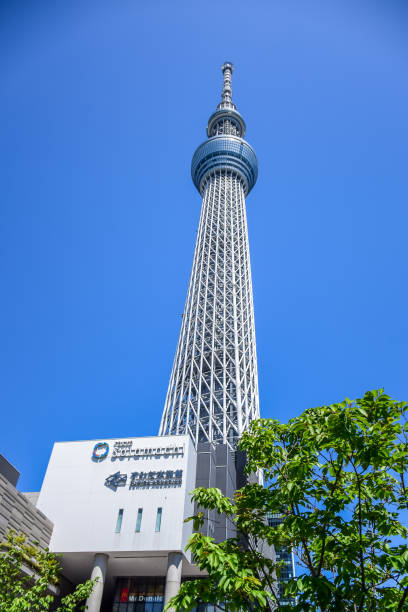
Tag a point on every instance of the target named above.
point(103, 104)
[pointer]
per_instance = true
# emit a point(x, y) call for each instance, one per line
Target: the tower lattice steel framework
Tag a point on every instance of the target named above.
point(213, 390)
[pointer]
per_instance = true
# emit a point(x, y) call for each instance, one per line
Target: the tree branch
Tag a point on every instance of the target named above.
point(363, 585)
point(403, 598)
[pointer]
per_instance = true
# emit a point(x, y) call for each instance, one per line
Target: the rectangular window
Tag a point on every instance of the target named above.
point(139, 519)
point(158, 519)
point(119, 521)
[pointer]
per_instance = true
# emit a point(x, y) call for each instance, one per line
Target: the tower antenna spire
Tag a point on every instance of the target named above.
point(227, 69)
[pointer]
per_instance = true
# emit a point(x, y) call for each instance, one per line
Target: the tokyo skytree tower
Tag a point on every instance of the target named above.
point(213, 390)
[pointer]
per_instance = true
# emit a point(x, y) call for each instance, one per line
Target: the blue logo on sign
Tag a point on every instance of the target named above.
point(100, 451)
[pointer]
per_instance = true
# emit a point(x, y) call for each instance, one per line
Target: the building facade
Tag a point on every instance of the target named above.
point(118, 508)
point(18, 511)
point(286, 558)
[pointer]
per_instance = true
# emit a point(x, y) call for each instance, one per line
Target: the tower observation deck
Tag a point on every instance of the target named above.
point(213, 390)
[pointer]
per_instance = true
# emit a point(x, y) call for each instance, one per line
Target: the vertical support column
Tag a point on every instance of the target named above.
point(173, 577)
point(98, 571)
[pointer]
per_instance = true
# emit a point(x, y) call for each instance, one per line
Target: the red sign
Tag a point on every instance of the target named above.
point(124, 595)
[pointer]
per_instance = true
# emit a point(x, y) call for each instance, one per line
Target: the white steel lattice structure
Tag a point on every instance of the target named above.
point(213, 390)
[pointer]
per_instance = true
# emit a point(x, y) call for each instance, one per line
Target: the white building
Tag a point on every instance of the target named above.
point(118, 508)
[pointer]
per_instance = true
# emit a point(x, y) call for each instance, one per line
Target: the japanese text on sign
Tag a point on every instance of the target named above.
point(139, 480)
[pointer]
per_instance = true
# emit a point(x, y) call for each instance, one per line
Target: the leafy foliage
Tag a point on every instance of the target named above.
point(337, 477)
point(25, 574)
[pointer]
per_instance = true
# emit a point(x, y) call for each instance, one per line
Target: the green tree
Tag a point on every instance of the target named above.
point(337, 477)
point(25, 574)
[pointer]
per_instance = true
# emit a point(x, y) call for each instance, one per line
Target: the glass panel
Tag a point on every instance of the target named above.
point(139, 594)
point(158, 519)
point(139, 519)
point(124, 595)
point(159, 589)
point(133, 593)
point(119, 521)
point(117, 592)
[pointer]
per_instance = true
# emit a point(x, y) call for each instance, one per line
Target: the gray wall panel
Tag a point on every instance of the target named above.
point(18, 513)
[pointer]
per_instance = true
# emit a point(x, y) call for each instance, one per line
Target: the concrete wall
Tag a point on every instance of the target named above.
point(32, 496)
point(19, 514)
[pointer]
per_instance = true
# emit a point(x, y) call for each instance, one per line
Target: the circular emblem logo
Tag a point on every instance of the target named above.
point(101, 449)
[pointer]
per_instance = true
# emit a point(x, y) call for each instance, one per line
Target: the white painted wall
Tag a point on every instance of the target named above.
point(84, 511)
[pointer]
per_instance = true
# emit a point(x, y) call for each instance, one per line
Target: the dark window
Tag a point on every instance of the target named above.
point(158, 519)
point(119, 521)
point(139, 519)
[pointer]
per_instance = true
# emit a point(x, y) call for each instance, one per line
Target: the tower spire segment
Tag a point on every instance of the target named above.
point(213, 390)
point(226, 96)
